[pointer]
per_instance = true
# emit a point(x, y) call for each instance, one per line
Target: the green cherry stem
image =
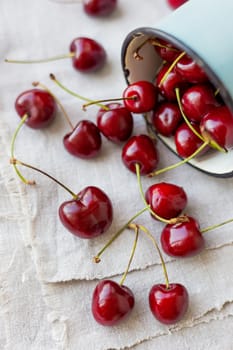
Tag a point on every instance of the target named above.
point(171, 67)
point(212, 227)
point(117, 234)
point(18, 162)
point(88, 100)
point(176, 165)
point(131, 256)
point(23, 179)
point(153, 42)
point(60, 57)
point(97, 102)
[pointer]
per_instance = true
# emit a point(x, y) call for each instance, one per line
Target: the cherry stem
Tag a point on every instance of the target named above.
point(176, 165)
point(153, 42)
point(16, 161)
point(60, 57)
point(171, 67)
point(52, 77)
point(118, 233)
point(147, 232)
point(211, 142)
point(209, 228)
point(23, 179)
point(97, 102)
point(131, 256)
point(36, 83)
point(137, 166)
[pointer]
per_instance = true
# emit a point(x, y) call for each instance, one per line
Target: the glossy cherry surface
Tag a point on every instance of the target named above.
point(116, 123)
point(168, 86)
point(84, 141)
point(140, 97)
point(166, 118)
point(198, 100)
point(140, 149)
point(166, 200)
point(89, 215)
point(89, 55)
point(168, 305)
point(218, 125)
point(182, 239)
point(111, 302)
point(99, 8)
point(166, 51)
point(39, 105)
point(176, 3)
point(190, 71)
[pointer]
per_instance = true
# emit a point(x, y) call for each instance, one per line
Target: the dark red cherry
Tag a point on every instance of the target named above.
point(116, 123)
point(176, 3)
point(140, 97)
point(39, 105)
point(197, 101)
point(190, 71)
point(168, 86)
point(140, 150)
point(89, 54)
point(89, 215)
point(218, 125)
point(111, 302)
point(166, 51)
point(187, 142)
point(166, 118)
point(84, 141)
point(99, 8)
point(168, 305)
point(183, 239)
point(166, 200)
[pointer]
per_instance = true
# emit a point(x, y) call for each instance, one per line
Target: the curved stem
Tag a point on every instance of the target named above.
point(131, 256)
point(44, 60)
point(117, 234)
point(97, 102)
point(58, 102)
point(173, 166)
point(171, 67)
point(209, 228)
point(153, 42)
point(16, 161)
point(137, 166)
point(23, 179)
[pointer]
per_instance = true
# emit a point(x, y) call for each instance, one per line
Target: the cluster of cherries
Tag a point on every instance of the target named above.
point(89, 213)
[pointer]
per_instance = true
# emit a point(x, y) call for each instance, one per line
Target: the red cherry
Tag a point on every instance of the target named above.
point(140, 97)
point(140, 150)
point(166, 200)
point(166, 118)
point(218, 125)
point(190, 71)
point(39, 105)
point(84, 141)
point(186, 141)
point(176, 3)
point(166, 51)
point(99, 8)
point(168, 305)
point(111, 302)
point(172, 81)
point(197, 101)
point(89, 54)
point(183, 239)
point(89, 215)
point(116, 123)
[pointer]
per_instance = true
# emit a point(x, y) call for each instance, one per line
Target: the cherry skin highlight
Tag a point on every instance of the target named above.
point(166, 118)
point(182, 239)
point(116, 124)
point(166, 51)
point(140, 149)
point(140, 97)
point(167, 87)
point(84, 141)
point(88, 216)
point(89, 55)
point(99, 8)
point(166, 200)
point(190, 71)
point(168, 305)
point(39, 105)
point(111, 302)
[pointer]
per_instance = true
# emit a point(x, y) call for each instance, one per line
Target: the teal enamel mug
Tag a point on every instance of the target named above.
point(203, 30)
